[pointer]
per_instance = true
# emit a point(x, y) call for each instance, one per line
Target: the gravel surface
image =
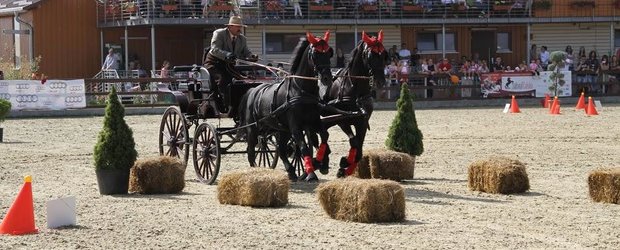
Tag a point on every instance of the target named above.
point(559, 151)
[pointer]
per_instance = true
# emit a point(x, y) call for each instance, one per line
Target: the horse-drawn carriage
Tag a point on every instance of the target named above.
point(279, 119)
point(208, 142)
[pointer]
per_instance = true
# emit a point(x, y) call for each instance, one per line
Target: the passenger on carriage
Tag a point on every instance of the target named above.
point(227, 45)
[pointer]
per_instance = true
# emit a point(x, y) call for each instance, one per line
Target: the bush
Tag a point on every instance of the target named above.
point(404, 135)
point(115, 148)
point(5, 108)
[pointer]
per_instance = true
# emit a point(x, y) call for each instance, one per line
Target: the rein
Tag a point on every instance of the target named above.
point(288, 74)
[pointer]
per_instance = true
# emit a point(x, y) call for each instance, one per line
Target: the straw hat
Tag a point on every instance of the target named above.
point(235, 21)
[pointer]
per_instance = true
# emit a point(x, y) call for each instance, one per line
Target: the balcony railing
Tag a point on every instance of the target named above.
point(274, 11)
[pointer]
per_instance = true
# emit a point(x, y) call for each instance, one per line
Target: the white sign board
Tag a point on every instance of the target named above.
point(61, 212)
point(53, 95)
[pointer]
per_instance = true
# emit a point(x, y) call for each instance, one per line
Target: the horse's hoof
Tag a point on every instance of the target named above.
point(312, 177)
point(340, 173)
point(323, 166)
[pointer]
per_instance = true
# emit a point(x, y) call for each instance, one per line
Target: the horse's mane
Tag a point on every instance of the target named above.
point(359, 48)
point(298, 54)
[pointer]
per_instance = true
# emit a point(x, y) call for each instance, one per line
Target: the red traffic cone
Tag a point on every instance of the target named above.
point(581, 103)
point(591, 109)
point(545, 103)
point(555, 107)
point(20, 218)
point(514, 106)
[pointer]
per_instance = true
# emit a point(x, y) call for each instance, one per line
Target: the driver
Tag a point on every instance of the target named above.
point(227, 45)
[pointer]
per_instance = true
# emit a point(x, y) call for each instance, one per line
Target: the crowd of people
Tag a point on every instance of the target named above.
point(587, 69)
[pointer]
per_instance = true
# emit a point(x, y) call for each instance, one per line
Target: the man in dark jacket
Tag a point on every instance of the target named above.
point(227, 44)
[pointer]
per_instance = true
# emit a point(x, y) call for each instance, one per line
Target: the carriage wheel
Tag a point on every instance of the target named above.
point(294, 156)
point(266, 152)
point(206, 153)
point(173, 135)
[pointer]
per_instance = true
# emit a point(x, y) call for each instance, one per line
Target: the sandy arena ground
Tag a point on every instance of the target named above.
point(441, 212)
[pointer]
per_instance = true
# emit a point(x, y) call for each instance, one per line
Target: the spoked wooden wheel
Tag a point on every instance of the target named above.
point(206, 153)
point(294, 156)
point(173, 135)
point(266, 152)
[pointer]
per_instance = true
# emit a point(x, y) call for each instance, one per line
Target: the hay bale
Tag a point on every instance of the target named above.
point(385, 164)
point(604, 185)
point(161, 175)
point(256, 187)
point(498, 175)
point(353, 199)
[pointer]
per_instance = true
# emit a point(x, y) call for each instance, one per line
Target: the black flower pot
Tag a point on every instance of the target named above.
point(113, 181)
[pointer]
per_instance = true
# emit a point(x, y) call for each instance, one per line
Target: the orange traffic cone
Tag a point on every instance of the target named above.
point(591, 109)
point(20, 218)
point(546, 101)
point(581, 103)
point(555, 107)
point(514, 106)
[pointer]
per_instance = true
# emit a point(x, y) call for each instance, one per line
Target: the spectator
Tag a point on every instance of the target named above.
point(111, 61)
point(544, 57)
point(392, 54)
point(603, 74)
point(1, 75)
point(484, 67)
point(339, 58)
point(570, 58)
point(444, 66)
point(205, 8)
point(476, 58)
point(498, 65)
point(533, 52)
point(534, 68)
point(164, 70)
point(466, 70)
point(393, 73)
point(415, 57)
point(614, 63)
point(404, 53)
point(404, 71)
point(297, 8)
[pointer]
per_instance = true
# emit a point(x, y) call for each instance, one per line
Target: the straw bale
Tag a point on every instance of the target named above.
point(256, 187)
point(358, 200)
point(160, 175)
point(385, 164)
point(498, 175)
point(604, 185)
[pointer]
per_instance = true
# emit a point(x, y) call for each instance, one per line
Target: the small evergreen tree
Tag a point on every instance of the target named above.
point(115, 148)
point(404, 135)
point(5, 108)
point(557, 59)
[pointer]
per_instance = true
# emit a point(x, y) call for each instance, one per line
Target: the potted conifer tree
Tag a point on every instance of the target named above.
point(5, 108)
point(115, 151)
point(404, 135)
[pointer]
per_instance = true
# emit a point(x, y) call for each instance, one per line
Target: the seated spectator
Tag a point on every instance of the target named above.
point(466, 70)
point(393, 73)
point(534, 68)
point(404, 71)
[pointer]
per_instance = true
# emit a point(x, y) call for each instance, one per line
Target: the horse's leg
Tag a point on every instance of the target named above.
point(306, 150)
point(345, 162)
point(282, 141)
point(251, 140)
point(322, 154)
point(357, 143)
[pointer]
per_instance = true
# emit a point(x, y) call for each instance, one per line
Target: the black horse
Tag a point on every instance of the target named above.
point(351, 91)
point(290, 108)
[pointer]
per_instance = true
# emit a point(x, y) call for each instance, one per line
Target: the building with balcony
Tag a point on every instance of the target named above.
point(73, 35)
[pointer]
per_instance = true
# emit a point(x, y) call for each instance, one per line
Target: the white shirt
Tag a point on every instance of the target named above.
point(404, 54)
point(544, 57)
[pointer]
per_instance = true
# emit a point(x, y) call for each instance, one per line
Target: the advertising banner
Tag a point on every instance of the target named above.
point(505, 84)
point(53, 95)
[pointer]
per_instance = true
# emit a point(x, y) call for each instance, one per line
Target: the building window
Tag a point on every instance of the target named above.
point(432, 41)
point(281, 43)
point(345, 42)
point(503, 42)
